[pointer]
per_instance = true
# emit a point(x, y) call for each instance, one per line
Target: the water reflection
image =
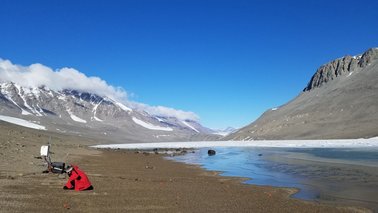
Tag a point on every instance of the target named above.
point(348, 176)
point(250, 163)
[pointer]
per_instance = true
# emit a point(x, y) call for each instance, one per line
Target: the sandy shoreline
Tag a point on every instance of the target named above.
point(126, 182)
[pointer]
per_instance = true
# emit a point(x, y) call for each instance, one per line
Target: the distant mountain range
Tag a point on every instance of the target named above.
point(87, 114)
point(340, 101)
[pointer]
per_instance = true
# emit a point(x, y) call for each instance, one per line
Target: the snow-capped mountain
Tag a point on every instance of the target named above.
point(88, 114)
point(340, 101)
point(226, 131)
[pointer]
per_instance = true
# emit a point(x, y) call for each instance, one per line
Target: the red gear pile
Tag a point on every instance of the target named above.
point(78, 180)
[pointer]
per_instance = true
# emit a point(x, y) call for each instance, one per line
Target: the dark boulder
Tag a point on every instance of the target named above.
point(211, 152)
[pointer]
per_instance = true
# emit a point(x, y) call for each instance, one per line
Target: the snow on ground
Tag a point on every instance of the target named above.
point(358, 57)
point(190, 126)
point(158, 136)
point(8, 96)
point(62, 97)
point(23, 112)
point(347, 143)
point(159, 119)
point(123, 107)
point(97, 119)
point(151, 126)
point(19, 88)
point(21, 122)
point(95, 110)
point(75, 118)
point(221, 133)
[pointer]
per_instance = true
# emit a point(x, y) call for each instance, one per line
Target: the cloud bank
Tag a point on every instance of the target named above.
point(37, 75)
point(166, 111)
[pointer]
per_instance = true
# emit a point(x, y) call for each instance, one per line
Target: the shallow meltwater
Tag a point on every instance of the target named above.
point(325, 174)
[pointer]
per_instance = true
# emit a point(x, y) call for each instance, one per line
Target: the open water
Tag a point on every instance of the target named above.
point(324, 174)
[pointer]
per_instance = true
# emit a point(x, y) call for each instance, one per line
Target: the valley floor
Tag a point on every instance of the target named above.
point(127, 182)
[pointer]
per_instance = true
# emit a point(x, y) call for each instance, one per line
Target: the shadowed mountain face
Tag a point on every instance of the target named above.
point(81, 113)
point(340, 101)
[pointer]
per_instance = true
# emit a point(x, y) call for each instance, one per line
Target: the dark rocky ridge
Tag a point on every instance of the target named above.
point(341, 66)
point(340, 101)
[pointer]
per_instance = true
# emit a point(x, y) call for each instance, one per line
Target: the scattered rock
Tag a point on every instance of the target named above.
point(66, 206)
point(211, 152)
point(10, 177)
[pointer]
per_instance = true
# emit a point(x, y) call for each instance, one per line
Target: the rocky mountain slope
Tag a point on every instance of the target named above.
point(91, 115)
point(340, 101)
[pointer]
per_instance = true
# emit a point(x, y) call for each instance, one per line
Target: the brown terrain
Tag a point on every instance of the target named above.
point(125, 181)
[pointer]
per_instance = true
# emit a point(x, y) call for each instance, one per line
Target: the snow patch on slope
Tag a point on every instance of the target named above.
point(75, 118)
point(21, 122)
point(190, 126)
point(94, 112)
point(22, 97)
point(222, 133)
point(123, 107)
point(4, 91)
point(150, 126)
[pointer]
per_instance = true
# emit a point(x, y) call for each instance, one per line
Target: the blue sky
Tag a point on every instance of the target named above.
point(227, 61)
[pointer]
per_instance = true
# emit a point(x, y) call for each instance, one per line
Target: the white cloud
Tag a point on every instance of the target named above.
point(166, 111)
point(37, 75)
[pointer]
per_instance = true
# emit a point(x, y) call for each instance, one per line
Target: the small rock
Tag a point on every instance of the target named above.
point(211, 152)
point(66, 206)
point(150, 167)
